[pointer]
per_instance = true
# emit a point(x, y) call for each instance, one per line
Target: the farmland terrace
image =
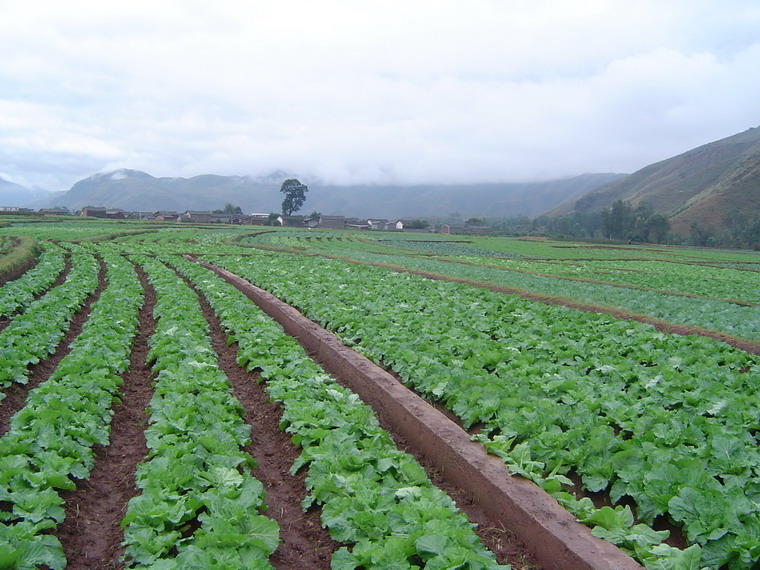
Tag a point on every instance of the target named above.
point(224, 397)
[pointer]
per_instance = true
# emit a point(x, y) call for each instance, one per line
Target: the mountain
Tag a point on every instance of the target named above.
point(138, 191)
point(15, 195)
point(702, 184)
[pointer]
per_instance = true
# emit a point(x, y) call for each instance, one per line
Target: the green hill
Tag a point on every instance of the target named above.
point(703, 185)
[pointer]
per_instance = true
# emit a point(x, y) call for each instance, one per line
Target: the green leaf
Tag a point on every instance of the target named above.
point(43, 550)
point(342, 559)
point(670, 558)
point(612, 519)
point(431, 544)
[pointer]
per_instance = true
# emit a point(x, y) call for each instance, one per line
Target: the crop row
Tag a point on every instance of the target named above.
point(693, 278)
point(374, 498)
point(663, 419)
point(721, 316)
point(50, 440)
point(18, 294)
point(571, 280)
point(666, 275)
point(34, 334)
point(199, 505)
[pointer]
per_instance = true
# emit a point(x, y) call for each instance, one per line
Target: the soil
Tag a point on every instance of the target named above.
point(90, 534)
point(305, 544)
point(15, 394)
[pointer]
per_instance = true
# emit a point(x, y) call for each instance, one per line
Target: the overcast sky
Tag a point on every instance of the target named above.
point(384, 91)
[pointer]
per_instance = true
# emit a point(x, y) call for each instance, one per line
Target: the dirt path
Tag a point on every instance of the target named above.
point(90, 534)
point(305, 544)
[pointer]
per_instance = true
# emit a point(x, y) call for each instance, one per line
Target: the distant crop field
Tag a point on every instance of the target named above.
point(142, 391)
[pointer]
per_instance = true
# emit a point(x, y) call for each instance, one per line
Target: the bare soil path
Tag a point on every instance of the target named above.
point(90, 534)
point(305, 544)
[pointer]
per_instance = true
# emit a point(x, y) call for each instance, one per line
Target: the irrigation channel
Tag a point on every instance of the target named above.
point(550, 534)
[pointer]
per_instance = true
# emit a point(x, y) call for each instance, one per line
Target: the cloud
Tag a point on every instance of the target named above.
point(444, 91)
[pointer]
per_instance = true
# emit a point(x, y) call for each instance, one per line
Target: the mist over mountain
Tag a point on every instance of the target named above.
point(16, 195)
point(135, 190)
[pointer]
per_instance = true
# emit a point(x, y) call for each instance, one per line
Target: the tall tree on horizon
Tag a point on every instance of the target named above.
point(295, 195)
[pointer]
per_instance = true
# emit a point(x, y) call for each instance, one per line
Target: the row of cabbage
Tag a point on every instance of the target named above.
point(199, 504)
point(666, 420)
point(71, 229)
point(50, 441)
point(721, 316)
point(407, 519)
point(374, 498)
point(36, 333)
point(562, 249)
point(19, 294)
point(678, 277)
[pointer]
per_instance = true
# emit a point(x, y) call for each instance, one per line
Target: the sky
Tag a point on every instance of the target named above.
point(370, 91)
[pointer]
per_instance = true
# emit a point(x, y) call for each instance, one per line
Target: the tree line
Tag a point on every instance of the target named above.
point(624, 222)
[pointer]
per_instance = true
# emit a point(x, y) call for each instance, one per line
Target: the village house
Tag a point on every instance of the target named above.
point(93, 212)
point(332, 222)
point(141, 216)
point(14, 210)
point(311, 223)
point(292, 221)
point(55, 211)
point(257, 219)
point(195, 216)
point(165, 216)
point(208, 217)
point(377, 224)
point(115, 214)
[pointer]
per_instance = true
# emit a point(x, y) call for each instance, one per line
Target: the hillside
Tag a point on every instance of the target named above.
point(138, 191)
point(702, 184)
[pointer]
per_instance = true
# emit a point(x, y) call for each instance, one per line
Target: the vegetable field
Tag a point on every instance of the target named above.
point(151, 415)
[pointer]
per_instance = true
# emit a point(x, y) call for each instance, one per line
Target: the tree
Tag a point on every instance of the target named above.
point(295, 195)
point(417, 224)
point(618, 222)
point(699, 233)
point(229, 209)
point(658, 226)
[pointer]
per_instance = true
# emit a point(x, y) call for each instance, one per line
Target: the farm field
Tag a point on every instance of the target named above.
point(130, 371)
point(713, 290)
